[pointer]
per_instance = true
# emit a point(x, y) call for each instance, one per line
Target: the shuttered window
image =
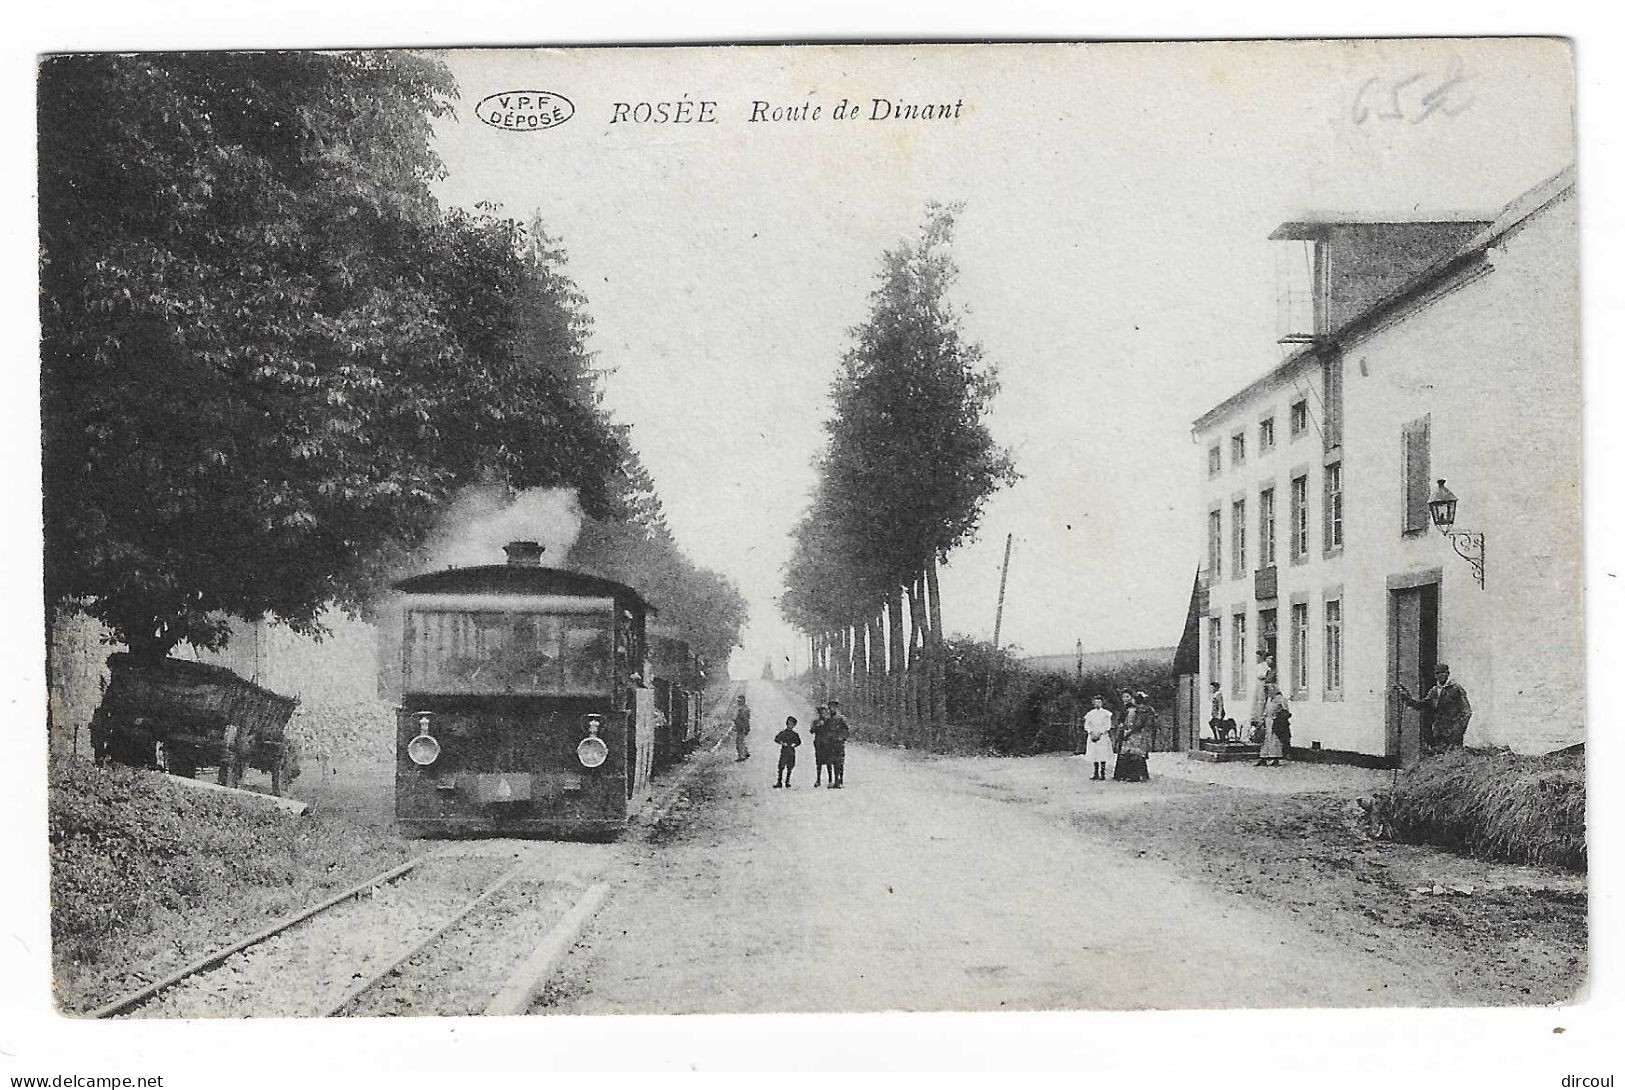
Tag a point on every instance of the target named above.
point(1266, 528)
point(1298, 531)
point(1332, 515)
point(1238, 654)
point(1300, 647)
point(1334, 645)
point(1215, 650)
point(1332, 382)
point(1416, 457)
point(1238, 538)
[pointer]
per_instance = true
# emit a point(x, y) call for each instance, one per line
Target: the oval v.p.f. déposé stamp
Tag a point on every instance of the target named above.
point(524, 111)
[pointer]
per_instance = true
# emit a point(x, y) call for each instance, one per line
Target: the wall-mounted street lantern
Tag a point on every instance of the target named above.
point(1468, 545)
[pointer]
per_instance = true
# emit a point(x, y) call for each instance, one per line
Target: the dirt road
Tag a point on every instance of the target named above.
point(910, 890)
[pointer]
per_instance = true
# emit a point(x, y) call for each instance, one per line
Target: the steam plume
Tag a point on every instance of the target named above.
point(484, 518)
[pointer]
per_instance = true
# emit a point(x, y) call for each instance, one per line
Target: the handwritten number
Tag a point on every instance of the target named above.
point(1387, 101)
point(1440, 97)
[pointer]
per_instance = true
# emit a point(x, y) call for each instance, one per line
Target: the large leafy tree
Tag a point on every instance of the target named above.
point(268, 355)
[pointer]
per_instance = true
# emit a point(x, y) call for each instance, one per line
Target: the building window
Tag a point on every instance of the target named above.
point(1333, 501)
point(1334, 646)
point(1238, 654)
point(1215, 546)
point(1266, 528)
point(1300, 418)
point(1416, 456)
point(1238, 448)
point(1213, 463)
point(1332, 376)
point(1300, 647)
point(1266, 434)
point(1238, 539)
point(1299, 528)
point(1215, 650)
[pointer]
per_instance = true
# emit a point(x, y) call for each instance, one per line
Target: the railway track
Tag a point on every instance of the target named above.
point(438, 934)
point(373, 948)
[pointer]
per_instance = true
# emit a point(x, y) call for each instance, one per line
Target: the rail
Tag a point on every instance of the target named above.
point(208, 961)
point(353, 996)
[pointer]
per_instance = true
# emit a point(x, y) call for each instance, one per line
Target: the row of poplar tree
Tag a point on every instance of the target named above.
point(908, 466)
point(270, 357)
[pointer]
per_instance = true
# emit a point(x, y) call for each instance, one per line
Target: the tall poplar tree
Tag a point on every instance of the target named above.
point(910, 462)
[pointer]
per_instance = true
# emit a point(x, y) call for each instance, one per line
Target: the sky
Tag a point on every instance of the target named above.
point(1114, 258)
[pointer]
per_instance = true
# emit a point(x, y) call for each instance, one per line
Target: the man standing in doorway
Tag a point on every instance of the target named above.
point(1446, 711)
point(741, 729)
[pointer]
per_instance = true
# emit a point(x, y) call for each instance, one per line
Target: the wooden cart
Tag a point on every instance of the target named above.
point(185, 716)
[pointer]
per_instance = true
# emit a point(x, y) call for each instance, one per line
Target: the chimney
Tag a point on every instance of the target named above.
point(524, 554)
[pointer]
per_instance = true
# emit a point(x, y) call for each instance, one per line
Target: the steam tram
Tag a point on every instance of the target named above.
point(525, 703)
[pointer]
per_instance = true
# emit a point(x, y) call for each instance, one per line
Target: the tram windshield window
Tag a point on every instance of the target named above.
point(453, 652)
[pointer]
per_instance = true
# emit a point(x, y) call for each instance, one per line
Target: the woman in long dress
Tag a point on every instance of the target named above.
point(1263, 677)
point(1273, 747)
point(1136, 746)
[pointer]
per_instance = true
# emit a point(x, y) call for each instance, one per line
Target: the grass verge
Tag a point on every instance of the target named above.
point(1496, 804)
point(147, 874)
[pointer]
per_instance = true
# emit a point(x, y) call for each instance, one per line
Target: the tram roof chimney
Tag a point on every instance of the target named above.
point(524, 554)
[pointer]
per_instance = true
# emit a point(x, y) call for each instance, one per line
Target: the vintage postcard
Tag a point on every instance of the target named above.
point(816, 528)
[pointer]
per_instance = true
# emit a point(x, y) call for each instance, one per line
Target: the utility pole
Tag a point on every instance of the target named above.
point(1004, 576)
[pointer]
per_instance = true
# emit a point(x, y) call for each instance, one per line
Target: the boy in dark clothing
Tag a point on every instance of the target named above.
point(836, 732)
point(819, 730)
point(788, 740)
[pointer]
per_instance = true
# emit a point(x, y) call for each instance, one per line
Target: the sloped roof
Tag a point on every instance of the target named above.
point(1315, 224)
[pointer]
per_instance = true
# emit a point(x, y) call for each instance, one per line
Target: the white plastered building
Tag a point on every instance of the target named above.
point(1419, 349)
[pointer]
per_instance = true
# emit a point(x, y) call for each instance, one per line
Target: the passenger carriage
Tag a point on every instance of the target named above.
point(678, 682)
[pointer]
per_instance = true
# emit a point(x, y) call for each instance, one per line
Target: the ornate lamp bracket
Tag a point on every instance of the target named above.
point(1470, 547)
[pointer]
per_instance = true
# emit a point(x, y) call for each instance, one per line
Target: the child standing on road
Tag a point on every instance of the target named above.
point(788, 740)
point(818, 730)
point(1097, 728)
point(836, 732)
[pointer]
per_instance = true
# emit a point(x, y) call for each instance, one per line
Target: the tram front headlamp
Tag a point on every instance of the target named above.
point(423, 750)
point(591, 751)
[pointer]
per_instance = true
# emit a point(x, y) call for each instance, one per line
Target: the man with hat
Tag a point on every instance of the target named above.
point(1445, 709)
point(836, 732)
point(819, 731)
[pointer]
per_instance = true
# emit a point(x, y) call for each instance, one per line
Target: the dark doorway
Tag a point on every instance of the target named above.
point(1413, 651)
